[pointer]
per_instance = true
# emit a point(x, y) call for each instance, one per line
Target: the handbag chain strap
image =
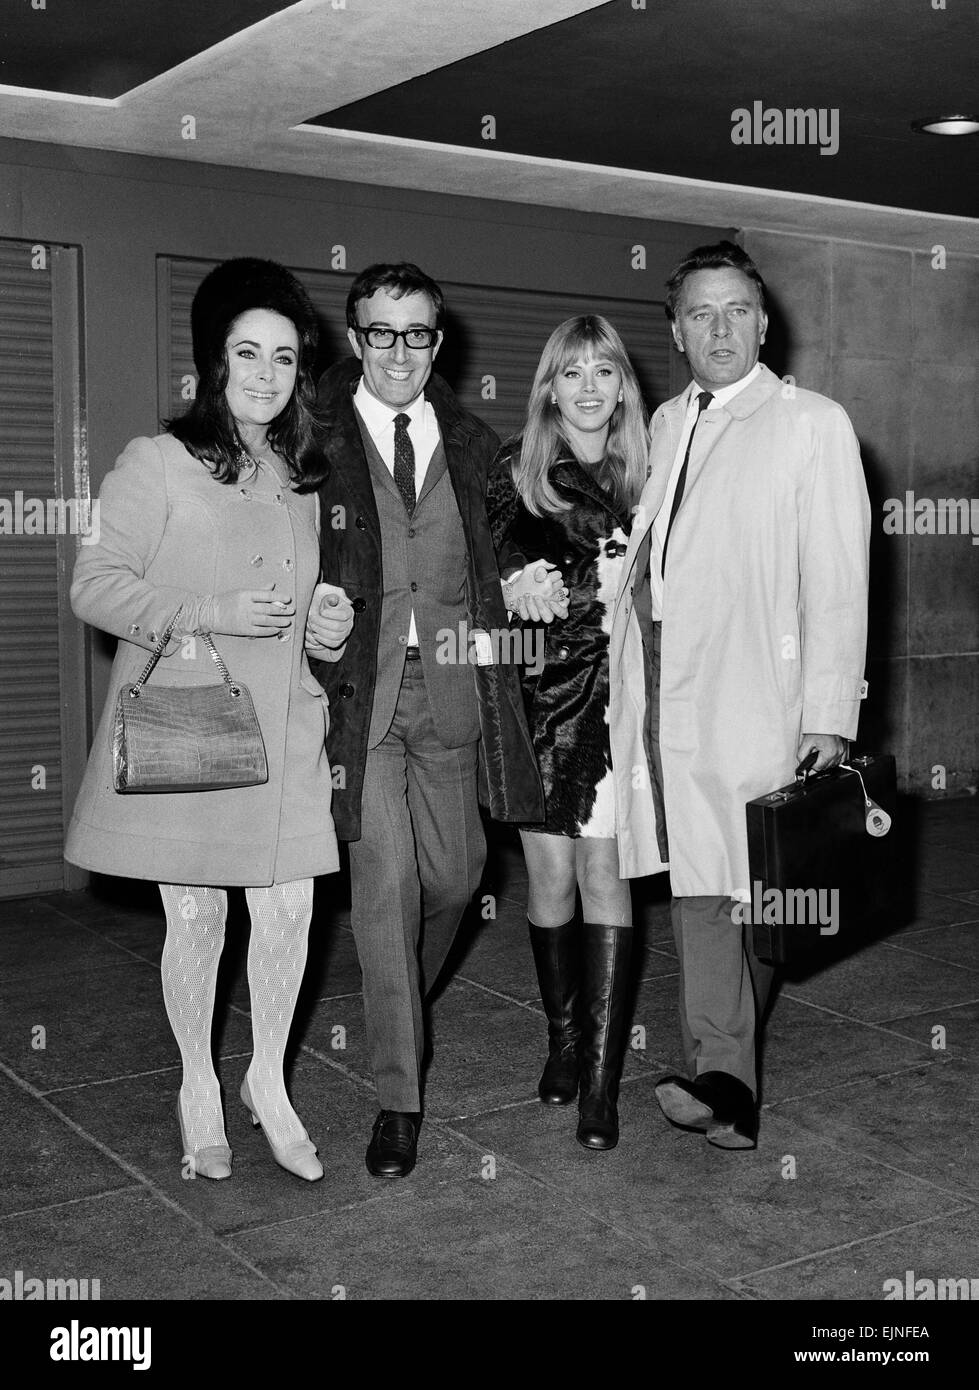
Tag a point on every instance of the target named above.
point(219, 663)
point(158, 650)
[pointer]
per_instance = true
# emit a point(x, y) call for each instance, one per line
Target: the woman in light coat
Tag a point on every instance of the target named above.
point(205, 522)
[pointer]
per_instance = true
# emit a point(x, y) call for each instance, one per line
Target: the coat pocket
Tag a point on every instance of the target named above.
point(312, 686)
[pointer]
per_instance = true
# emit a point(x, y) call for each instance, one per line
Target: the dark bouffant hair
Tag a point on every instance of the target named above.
point(716, 257)
point(207, 429)
point(399, 279)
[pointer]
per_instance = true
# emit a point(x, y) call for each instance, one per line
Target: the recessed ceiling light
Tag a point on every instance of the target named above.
point(947, 125)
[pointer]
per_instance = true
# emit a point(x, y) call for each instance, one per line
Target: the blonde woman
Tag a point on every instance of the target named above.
point(563, 489)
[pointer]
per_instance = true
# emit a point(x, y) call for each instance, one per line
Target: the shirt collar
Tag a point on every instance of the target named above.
point(377, 416)
point(724, 393)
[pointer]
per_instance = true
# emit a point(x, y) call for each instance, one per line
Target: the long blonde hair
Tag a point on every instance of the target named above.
point(623, 469)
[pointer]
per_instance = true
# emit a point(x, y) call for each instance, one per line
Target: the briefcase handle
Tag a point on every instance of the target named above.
point(805, 769)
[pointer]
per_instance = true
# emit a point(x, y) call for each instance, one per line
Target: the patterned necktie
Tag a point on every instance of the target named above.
point(704, 399)
point(404, 462)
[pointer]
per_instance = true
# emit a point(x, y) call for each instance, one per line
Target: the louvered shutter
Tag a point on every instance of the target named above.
point(491, 332)
point(500, 333)
point(31, 817)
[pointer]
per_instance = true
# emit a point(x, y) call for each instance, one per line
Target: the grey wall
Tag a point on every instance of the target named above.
point(893, 339)
point(876, 328)
point(125, 210)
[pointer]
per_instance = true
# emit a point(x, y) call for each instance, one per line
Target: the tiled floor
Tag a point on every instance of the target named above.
point(865, 1167)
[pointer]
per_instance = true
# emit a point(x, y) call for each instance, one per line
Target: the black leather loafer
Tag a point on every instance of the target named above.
point(735, 1123)
point(683, 1104)
point(716, 1104)
point(394, 1144)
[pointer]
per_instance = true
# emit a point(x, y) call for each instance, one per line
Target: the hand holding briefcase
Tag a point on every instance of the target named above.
point(822, 858)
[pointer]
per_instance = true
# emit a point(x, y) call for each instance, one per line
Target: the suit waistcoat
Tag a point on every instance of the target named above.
point(424, 564)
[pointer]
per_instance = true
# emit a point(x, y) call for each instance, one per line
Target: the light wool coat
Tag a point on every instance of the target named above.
point(171, 535)
point(764, 623)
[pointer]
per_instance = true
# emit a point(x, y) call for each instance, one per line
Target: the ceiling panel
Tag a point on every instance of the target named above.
point(618, 106)
point(654, 89)
point(103, 48)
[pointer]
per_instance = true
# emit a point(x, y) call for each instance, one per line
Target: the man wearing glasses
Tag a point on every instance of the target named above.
point(404, 531)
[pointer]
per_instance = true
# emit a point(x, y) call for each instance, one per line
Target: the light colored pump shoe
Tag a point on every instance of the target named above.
point(299, 1157)
point(213, 1162)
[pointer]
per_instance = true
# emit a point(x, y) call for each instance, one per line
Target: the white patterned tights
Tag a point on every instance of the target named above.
point(196, 917)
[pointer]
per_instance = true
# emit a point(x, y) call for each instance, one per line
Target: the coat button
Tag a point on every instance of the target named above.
point(133, 629)
point(563, 653)
point(152, 635)
point(346, 690)
point(287, 564)
point(358, 604)
point(257, 560)
point(278, 498)
point(414, 587)
point(568, 559)
point(245, 493)
point(360, 524)
point(283, 636)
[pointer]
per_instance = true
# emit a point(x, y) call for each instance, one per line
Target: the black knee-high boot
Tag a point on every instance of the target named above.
point(606, 953)
point(557, 957)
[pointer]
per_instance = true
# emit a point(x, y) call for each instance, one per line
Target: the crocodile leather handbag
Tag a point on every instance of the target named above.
point(186, 738)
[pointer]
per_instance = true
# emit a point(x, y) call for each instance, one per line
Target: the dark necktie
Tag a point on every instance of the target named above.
point(404, 462)
point(704, 399)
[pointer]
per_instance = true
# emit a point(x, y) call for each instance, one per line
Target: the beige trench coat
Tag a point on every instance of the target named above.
point(764, 623)
point(171, 535)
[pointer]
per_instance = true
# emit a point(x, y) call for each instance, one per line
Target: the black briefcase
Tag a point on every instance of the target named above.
point(822, 859)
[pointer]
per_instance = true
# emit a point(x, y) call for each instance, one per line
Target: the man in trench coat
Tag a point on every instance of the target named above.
point(746, 582)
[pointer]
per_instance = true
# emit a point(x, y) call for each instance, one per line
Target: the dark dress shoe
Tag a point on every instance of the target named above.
point(394, 1143)
point(716, 1104)
point(683, 1103)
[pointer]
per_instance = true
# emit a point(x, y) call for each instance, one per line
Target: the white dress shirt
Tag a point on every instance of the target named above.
point(423, 431)
point(658, 535)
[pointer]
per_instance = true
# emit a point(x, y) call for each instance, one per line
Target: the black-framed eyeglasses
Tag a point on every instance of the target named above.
point(387, 337)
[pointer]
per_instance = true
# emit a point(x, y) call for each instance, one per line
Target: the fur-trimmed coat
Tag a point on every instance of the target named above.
point(565, 664)
point(509, 785)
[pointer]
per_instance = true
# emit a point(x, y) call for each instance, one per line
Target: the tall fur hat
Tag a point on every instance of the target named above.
point(234, 287)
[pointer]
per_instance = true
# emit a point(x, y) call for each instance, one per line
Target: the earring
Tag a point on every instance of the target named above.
point(621, 398)
point(553, 399)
